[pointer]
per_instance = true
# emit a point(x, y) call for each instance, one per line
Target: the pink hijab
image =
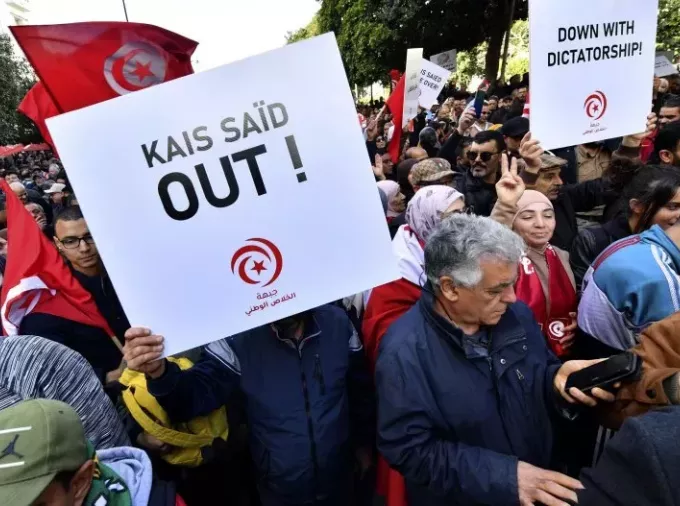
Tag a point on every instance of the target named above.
point(426, 207)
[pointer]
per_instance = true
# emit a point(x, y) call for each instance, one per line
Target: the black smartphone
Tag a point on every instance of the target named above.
point(480, 96)
point(619, 368)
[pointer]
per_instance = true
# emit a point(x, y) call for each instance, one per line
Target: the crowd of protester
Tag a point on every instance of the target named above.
point(448, 386)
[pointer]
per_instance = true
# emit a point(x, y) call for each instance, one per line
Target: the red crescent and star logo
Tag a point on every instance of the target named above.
point(135, 66)
point(596, 105)
point(259, 262)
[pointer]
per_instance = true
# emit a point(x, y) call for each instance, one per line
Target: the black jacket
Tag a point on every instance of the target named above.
point(91, 342)
point(106, 299)
point(480, 197)
point(592, 241)
point(448, 150)
point(577, 198)
point(640, 464)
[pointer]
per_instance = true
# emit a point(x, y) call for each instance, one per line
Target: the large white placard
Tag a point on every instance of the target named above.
point(592, 66)
point(663, 66)
point(432, 80)
point(446, 60)
point(232, 206)
point(414, 57)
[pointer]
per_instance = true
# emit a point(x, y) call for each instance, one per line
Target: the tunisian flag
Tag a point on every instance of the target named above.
point(37, 106)
point(36, 277)
point(396, 106)
point(81, 64)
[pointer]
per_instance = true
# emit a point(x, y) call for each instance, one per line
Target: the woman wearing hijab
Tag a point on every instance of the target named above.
point(545, 281)
point(387, 303)
point(396, 205)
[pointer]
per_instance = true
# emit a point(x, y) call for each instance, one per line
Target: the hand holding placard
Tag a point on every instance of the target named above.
point(531, 151)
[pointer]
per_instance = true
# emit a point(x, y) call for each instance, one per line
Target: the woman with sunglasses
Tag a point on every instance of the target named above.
point(545, 282)
point(387, 303)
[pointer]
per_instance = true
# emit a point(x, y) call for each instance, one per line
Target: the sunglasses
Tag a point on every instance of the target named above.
point(484, 155)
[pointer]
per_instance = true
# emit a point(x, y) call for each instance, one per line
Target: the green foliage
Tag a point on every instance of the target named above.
point(15, 81)
point(306, 32)
point(668, 34)
point(472, 63)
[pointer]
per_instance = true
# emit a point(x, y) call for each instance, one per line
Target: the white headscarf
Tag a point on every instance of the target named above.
point(425, 210)
point(391, 190)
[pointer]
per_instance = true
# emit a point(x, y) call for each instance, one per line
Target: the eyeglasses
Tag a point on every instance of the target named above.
point(74, 242)
point(484, 155)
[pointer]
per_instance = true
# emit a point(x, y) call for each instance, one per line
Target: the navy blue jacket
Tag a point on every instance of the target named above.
point(639, 465)
point(300, 401)
point(455, 422)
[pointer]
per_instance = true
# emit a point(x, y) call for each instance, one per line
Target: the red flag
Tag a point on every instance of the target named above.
point(37, 106)
point(526, 112)
point(81, 64)
point(395, 75)
point(36, 278)
point(396, 105)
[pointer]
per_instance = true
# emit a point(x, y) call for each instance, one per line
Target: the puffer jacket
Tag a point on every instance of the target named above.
point(455, 422)
point(307, 401)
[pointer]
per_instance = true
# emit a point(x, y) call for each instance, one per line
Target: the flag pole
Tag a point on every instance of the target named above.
point(125, 10)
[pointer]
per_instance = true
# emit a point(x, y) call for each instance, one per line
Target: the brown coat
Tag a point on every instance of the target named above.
point(659, 350)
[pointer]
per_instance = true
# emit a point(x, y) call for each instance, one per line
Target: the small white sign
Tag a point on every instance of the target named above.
point(579, 52)
point(663, 67)
point(432, 80)
point(236, 207)
point(446, 60)
point(414, 57)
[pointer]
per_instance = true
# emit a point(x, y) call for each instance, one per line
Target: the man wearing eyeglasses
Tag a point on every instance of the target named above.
point(484, 155)
point(75, 243)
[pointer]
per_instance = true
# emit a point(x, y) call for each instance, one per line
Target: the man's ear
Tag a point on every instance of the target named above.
point(448, 289)
point(82, 482)
point(666, 156)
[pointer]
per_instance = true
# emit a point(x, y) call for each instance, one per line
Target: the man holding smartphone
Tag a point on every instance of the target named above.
point(467, 388)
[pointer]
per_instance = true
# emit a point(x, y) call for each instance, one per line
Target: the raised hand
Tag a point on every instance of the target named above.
point(636, 139)
point(466, 120)
point(531, 151)
point(510, 186)
point(372, 130)
point(378, 169)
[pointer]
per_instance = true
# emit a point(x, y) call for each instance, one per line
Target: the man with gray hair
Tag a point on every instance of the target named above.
point(467, 387)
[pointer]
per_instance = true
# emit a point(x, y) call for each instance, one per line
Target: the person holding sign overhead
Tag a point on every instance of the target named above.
point(308, 395)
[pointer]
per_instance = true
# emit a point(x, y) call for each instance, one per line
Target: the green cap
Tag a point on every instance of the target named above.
point(38, 439)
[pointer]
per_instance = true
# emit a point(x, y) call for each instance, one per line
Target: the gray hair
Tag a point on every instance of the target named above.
point(460, 243)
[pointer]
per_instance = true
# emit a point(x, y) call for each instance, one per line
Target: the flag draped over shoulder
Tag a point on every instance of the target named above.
point(81, 64)
point(36, 277)
point(396, 106)
point(37, 106)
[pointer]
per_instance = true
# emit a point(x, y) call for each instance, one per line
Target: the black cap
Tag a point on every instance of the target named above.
point(515, 127)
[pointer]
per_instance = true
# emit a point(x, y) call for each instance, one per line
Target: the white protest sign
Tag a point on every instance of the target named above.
point(239, 207)
point(591, 69)
point(663, 67)
point(432, 80)
point(414, 57)
point(445, 60)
